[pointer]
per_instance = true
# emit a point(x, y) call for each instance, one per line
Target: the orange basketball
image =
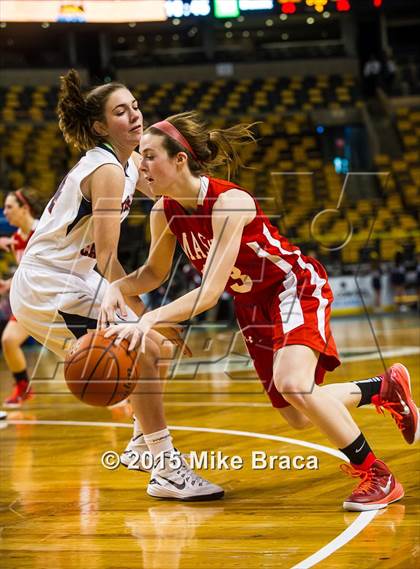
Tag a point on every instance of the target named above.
point(98, 372)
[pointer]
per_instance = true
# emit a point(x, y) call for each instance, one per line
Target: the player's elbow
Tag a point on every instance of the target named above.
point(158, 276)
point(210, 298)
point(105, 260)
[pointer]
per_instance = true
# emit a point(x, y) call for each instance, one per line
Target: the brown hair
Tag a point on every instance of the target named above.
point(77, 111)
point(30, 197)
point(208, 148)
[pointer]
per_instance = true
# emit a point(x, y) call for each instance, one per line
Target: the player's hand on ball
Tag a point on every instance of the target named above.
point(113, 300)
point(173, 334)
point(134, 333)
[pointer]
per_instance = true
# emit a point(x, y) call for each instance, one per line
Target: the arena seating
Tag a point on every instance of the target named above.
point(285, 168)
point(398, 218)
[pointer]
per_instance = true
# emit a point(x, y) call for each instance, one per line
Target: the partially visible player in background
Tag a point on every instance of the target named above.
point(21, 209)
point(56, 292)
point(282, 297)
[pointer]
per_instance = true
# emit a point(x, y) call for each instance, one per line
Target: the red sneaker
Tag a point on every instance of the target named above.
point(395, 397)
point(377, 489)
point(22, 392)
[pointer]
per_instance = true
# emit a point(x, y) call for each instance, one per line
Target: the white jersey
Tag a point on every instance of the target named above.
point(63, 239)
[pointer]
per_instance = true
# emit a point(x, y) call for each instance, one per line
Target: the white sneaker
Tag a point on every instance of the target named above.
point(135, 454)
point(182, 484)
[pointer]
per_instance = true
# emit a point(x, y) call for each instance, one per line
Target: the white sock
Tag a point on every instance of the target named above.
point(159, 442)
point(137, 430)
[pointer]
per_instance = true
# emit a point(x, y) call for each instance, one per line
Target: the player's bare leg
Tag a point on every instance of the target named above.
point(147, 397)
point(14, 335)
point(171, 476)
point(153, 397)
point(390, 391)
point(348, 393)
point(294, 372)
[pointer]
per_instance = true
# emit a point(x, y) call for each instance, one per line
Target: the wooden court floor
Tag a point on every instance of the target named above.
point(62, 509)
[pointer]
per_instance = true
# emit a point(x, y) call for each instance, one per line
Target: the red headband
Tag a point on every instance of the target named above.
point(22, 198)
point(170, 130)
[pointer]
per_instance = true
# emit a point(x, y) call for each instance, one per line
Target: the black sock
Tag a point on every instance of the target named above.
point(358, 451)
point(21, 376)
point(369, 388)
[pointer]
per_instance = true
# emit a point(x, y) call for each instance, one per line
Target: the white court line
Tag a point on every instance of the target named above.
point(348, 534)
point(362, 520)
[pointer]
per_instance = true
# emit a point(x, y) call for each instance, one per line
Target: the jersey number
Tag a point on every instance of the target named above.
point(60, 189)
point(246, 281)
point(56, 196)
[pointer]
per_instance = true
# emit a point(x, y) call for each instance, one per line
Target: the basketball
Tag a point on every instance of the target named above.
point(98, 372)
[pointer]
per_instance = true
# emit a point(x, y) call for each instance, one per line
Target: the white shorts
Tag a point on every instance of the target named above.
point(56, 308)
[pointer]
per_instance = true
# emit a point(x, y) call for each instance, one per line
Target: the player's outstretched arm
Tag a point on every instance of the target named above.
point(147, 277)
point(106, 186)
point(231, 213)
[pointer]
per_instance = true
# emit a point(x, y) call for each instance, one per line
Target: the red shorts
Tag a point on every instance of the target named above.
point(297, 312)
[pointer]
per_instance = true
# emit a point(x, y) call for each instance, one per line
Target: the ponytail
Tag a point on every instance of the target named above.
point(206, 149)
point(73, 115)
point(223, 146)
point(78, 111)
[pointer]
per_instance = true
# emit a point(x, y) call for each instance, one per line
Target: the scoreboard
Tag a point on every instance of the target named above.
point(116, 11)
point(82, 11)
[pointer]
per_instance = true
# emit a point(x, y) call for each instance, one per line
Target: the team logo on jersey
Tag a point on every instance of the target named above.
point(195, 246)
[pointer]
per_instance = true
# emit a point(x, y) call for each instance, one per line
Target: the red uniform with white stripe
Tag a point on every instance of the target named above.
point(281, 296)
point(20, 243)
point(18, 247)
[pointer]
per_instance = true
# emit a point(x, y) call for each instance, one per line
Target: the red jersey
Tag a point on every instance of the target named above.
point(264, 257)
point(19, 243)
point(281, 296)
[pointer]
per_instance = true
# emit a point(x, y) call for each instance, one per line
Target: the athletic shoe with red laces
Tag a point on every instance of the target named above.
point(395, 397)
point(377, 489)
point(21, 393)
